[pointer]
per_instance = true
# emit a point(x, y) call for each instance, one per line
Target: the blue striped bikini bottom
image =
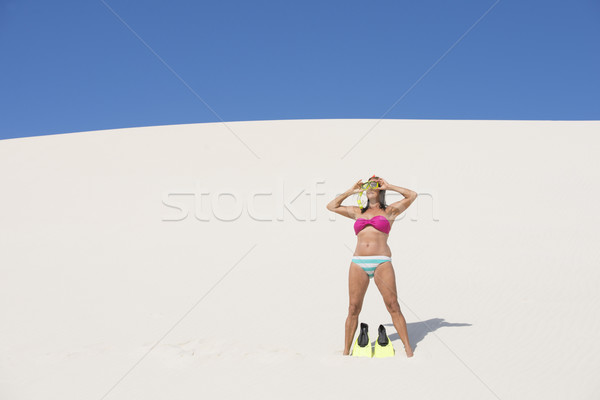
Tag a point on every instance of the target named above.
point(370, 263)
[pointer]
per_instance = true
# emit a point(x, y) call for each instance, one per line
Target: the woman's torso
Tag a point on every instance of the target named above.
point(371, 241)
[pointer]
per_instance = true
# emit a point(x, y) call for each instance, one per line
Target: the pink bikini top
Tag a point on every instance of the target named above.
point(379, 222)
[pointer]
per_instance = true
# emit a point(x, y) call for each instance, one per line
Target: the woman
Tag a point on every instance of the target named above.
point(373, 257)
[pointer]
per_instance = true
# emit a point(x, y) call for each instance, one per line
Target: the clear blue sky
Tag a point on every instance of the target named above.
point(70, 66)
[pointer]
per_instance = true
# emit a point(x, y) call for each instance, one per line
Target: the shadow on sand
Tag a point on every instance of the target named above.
point(418, 330)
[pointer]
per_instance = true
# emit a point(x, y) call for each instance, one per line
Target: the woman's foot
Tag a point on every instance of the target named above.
point(409, 352)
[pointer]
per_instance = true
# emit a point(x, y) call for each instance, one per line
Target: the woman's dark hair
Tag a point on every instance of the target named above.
point(380, 197)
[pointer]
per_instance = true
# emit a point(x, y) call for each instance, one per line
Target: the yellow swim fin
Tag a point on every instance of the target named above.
point(362, 345)
point(383, 345)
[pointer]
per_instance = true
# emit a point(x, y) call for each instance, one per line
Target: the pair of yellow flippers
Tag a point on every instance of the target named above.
point(362, 346)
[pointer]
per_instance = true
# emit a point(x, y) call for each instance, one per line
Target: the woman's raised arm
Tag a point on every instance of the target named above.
point(336, 206)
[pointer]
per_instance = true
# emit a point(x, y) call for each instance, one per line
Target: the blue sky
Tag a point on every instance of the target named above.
point(70, 66)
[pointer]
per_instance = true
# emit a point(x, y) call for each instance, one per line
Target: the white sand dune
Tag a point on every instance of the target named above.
point(121, 280)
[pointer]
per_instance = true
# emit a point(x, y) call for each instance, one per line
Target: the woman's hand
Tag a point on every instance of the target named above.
point(383, 185)
point(357, 187)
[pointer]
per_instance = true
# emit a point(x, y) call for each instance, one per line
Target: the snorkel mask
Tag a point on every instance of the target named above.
point(370, 185)
point(366, 186)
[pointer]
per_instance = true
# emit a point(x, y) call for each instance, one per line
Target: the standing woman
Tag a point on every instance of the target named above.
point(372, 257)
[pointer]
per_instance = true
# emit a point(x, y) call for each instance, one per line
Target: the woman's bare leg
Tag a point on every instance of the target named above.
point(385, 279)
point(358, 281)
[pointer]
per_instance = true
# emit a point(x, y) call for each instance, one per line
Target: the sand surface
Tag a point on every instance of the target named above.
point(200, 261)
